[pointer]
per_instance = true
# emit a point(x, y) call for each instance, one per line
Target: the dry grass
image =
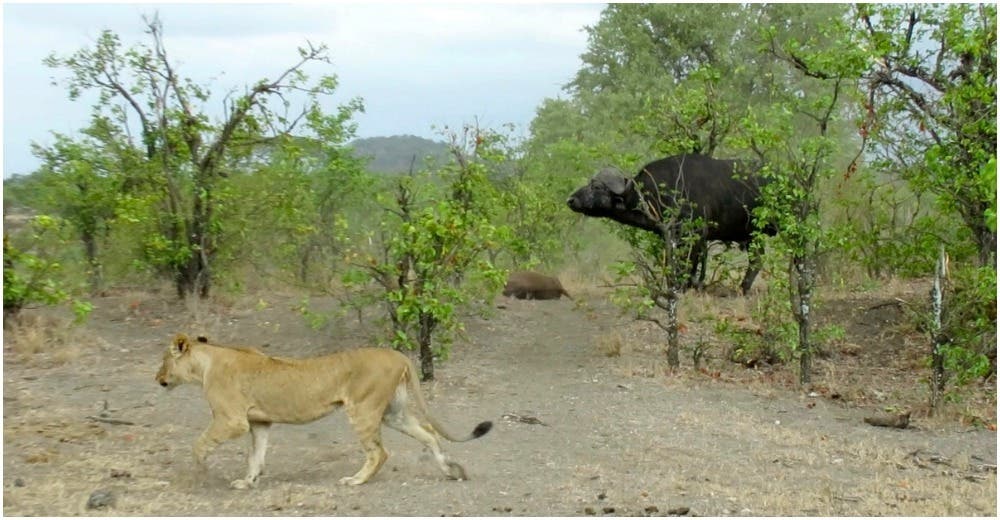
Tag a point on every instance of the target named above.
point(583, 285)
point(610, 344)
point(41, 340)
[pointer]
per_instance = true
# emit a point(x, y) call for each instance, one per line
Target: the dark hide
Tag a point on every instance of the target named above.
point(533, 286)
point(700, 186)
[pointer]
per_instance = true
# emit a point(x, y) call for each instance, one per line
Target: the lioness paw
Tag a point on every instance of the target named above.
point(456, 471)
point(242, 484)
point(351, 481)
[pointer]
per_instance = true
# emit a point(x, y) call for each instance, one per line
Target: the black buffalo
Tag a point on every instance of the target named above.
point(722, 192)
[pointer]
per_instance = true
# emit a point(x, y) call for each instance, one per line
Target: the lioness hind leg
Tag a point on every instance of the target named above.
point(255, 460)
point(399, 418)
point(369, 430)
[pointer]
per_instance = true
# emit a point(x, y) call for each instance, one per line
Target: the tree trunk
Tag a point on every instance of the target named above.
point(802, 306)
point(427, 324)
point(673, 342)
point(937, 341)
point(986, 239)
point(194, 277)
point(89, 238)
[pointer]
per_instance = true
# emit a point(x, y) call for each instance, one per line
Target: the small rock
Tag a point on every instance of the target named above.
point(18, 482)
point(602, 496)
point(651, 510)
point(100, 498)
point(681, 511)
point(608, 510)
point(120, 473)
point(589, 511)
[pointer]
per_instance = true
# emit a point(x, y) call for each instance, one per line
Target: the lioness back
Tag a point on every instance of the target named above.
point(302, 390)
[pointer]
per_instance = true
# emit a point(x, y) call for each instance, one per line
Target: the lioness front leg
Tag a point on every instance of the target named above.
point(220, 430)
point(255, 460)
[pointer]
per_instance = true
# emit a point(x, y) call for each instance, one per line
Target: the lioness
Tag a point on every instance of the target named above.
point(249, 390)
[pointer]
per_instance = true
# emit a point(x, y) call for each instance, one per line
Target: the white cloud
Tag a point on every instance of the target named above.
point(415, 65)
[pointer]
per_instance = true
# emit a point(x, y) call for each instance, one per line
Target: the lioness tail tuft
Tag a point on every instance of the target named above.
point(482, 429)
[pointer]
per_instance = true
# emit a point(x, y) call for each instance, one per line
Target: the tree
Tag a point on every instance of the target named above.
point(286, 213)
point(932, 105)
point(931, 111)
point(431, 246)
point(641, 57)
point(188, 154)
point(82, 180)
point(797, 142)
point(660, 264)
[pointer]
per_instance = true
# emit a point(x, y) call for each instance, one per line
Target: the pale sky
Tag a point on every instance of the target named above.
point(416, 65)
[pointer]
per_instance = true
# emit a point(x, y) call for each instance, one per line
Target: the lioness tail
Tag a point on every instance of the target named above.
point(482, 429)
point(411, 379)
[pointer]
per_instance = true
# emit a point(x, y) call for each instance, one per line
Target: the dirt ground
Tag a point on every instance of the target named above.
point(587, 420)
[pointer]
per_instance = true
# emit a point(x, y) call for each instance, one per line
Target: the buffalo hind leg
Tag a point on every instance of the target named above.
point(755, 251)
point(698, 258)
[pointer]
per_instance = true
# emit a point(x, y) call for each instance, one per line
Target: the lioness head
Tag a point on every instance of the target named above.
point(176, 367)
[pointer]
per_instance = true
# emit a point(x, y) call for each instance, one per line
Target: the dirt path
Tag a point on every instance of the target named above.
point(613, 436)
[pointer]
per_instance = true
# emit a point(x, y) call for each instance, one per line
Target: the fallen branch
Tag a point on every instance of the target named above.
point(109, 420)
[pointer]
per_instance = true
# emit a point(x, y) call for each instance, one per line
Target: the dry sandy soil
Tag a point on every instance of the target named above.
point(581, 428)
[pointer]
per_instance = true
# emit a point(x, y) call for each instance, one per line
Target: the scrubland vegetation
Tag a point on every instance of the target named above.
point(876, 125)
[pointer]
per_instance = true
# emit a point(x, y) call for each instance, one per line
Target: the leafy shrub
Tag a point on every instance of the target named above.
point(30, 278)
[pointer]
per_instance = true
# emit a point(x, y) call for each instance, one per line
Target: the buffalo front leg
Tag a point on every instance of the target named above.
point(255, 460)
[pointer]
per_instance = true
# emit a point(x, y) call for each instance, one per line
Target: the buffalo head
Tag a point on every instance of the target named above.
point(609, 193)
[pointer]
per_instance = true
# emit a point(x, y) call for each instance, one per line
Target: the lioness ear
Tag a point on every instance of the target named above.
point(181, 344)
point(202, 339)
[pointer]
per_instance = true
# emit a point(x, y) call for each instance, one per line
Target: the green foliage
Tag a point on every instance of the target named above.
point(770, 337)
point(306, 189)
point(797, 138)
point(185, 158)
point(429, 253)
point(32, 276)
point(82, 181)
point(659, 271)
point(970, 324)
point(932, 110)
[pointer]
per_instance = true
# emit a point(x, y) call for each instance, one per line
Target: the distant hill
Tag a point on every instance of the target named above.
point(395, 154)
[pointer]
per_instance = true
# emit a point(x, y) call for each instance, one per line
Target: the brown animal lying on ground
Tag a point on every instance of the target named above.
point(249, 390)
point(526, 285)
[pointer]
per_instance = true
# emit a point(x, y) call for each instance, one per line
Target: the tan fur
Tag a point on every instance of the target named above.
point(533, 286)
point(248, 391)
